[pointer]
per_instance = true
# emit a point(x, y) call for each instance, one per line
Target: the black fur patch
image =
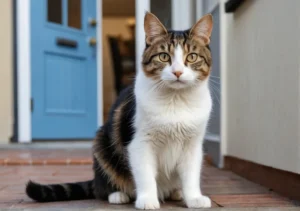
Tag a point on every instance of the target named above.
point(77, 192)
point(57, 192)
point(106, 149)
point(60, 192)
point(126, 128)
point(102, 185)
point(116, 161)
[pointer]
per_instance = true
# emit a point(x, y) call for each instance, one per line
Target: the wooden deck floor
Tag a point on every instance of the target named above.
point(227, 190)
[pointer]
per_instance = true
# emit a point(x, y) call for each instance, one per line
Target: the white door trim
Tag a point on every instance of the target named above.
point(223, 70)
point(222, 139)
point(24, 69)
point(99, 64)
point(213, 6)
point(141, 6)
point(182, 9)
point(199, 10)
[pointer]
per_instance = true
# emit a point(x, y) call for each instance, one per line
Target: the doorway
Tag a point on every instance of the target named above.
point(63, 69)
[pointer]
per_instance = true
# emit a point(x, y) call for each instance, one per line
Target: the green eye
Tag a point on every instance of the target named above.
point(164, 57)
point(192, 57)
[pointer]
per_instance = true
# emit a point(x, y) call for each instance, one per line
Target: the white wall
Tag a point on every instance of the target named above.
point(262, 84)
point(6, 71)
point(111, 26)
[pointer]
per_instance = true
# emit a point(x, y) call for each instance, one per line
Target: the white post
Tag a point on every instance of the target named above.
point(223, 69)
point(141, 6)
point(182, 14)
point(23, 71)
point(99, 64)
point(199, 9)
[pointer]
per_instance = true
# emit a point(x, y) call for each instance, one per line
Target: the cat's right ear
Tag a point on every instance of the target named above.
point(203, 28)
point(153, 28)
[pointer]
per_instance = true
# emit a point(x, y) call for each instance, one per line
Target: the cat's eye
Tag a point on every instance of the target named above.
point(192, 57)
point(164, 57)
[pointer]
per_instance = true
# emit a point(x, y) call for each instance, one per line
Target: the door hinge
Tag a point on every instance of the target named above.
point(31, 104)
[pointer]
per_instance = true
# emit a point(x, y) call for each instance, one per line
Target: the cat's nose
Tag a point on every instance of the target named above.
point(177, 73)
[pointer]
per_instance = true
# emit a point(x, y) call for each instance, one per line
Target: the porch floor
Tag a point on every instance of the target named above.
point(227, 190)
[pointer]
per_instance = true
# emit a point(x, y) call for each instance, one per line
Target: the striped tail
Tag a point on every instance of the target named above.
point(60, 192)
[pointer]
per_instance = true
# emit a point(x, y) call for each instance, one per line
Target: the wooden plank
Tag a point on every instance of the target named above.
point(252, 200)
point(283, 182)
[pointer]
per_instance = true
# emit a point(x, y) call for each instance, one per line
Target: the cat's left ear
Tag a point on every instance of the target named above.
point(153, 28)
point(203, 28)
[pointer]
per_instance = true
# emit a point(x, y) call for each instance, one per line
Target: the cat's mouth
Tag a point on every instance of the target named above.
point(178, 84)
point(179, 81)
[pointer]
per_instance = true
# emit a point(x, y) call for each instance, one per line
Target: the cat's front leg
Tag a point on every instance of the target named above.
point(144, 170)
point(189, 170)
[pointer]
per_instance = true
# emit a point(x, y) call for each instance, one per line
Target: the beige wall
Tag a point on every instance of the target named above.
point(111, 26)
point(262, 84)
point(6, 71)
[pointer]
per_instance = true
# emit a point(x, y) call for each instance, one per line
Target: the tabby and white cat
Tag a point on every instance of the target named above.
point(150, 149)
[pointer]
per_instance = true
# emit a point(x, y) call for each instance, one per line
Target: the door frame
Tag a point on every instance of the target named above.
point(223, 20)
point(23, 66)
point(213, 141)
point(141, 6)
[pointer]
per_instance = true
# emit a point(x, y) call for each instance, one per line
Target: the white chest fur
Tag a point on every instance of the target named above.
point(171, 120)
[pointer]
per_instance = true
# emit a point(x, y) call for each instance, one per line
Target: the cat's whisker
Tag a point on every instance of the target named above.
point(214, 76)
point(215, 92)
point(211, 80)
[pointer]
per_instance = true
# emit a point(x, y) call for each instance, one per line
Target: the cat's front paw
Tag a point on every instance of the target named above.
point(118, 198)
point(198, 202)
point(147, 203)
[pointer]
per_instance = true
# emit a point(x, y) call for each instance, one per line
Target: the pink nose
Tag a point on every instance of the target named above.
point(177, 73)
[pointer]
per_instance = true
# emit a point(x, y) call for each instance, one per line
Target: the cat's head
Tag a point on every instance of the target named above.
point(177, 59)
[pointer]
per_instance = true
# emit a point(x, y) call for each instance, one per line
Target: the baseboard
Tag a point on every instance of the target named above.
point(282, 182)
point(212, 152)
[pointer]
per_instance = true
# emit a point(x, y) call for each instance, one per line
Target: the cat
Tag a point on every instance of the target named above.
point(150, 148)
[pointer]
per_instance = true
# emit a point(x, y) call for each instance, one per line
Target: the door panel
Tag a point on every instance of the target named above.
point(69, 76)
point(63, 65)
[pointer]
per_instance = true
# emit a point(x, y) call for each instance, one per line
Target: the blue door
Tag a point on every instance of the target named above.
point(64, 72)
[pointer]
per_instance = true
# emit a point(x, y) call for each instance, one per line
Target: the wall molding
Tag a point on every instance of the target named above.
point(212, 151)
point(283, 182)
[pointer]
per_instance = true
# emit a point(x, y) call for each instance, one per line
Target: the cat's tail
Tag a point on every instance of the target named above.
point(60, 192)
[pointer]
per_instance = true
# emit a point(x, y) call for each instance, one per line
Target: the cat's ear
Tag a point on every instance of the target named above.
point(153, 27)
point(203, 28)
